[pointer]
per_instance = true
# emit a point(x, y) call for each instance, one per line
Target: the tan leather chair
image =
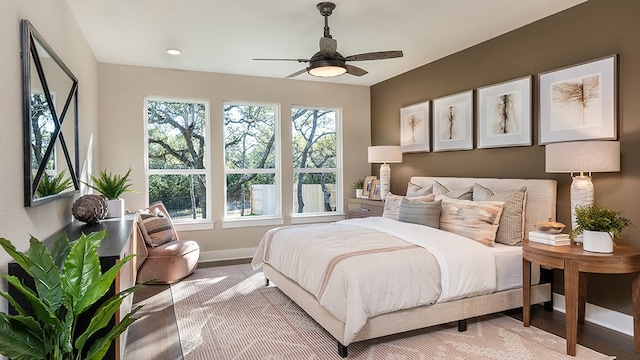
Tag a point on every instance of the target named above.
point(168, 262)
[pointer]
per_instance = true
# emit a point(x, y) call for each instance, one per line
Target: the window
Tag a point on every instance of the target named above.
point(177, 159)
point(315, 160)
point(251, 159)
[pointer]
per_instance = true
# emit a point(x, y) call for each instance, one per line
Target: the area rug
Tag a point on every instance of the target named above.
point(228, 313)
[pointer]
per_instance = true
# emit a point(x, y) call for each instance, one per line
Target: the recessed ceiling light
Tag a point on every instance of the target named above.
point(174, 51)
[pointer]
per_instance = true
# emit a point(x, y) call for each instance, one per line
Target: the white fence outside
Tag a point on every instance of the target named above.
point(263, 199)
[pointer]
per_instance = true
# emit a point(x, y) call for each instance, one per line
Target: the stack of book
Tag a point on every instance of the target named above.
point(549, 239)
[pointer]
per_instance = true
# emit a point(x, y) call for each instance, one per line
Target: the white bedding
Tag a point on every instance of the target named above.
point(362, 286)
point(509, 266)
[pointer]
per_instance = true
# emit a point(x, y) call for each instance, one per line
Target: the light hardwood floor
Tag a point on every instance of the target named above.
point(155, 334)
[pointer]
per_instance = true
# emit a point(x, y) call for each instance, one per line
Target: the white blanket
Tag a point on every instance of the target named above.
point(361, 268)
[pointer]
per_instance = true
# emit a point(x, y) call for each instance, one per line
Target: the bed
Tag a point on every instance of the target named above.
point(404, 275)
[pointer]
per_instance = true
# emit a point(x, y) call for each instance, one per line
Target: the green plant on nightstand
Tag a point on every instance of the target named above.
point(69, 282)
point(599, 227)
point(358, 185)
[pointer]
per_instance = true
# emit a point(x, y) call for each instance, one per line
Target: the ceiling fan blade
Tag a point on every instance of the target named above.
point(375, 56)
point(354, 70)
point(297, 73)
point(298, 60)
point(328, 46)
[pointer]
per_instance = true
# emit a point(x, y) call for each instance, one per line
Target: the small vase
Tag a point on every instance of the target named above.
point(116, 208)
point(597, 241)
point(358, 193)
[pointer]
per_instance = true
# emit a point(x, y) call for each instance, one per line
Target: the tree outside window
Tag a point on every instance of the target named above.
point(315, 164)
point(251, 160)
point(177, 156)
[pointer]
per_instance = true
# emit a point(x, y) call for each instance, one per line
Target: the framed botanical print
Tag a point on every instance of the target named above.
point(453, 122)
point(414, 128)
point(504, 114)
point(579, 102)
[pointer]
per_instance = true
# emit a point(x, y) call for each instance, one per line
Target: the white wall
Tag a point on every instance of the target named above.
point(54, 21)
point(122, 89)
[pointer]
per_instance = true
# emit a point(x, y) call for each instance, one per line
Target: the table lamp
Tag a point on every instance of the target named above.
point(583, 157)
point(385, 155)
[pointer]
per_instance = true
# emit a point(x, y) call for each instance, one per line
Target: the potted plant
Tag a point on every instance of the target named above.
point(112, 186)
point(51, 185)
point(599, 226)
point(358, 185)
point(69, 282)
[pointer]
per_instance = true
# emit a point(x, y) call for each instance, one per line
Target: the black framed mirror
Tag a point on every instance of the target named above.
point(50, 108)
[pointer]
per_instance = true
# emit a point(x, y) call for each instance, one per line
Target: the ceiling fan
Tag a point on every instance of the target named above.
point(328, 61)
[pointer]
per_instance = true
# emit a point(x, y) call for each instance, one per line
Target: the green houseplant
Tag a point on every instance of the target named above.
point(51, 185)
point(598, 222)
point(359, 186)
point(112, 186)
point(69, 281)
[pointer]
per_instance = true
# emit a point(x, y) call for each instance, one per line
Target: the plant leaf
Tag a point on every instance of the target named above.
point(100, 347)
point(19, 309)
point(81, 270)
point(99, 287)
point(45, 274)
point(18, 343)
point(60, 250)
point(103, 315)
point(19, 257)
point(40, 309)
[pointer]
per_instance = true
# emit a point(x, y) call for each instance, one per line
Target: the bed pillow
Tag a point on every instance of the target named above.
point(476, 220)
point(392, 204)
point(511, 227)
point(420, 212)
point(414, 190)
point(155, 227)
point(463, 194)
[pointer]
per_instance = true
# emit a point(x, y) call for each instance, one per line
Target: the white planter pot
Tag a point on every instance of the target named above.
point(358, 193)
point(597, 241)
point(116, 208)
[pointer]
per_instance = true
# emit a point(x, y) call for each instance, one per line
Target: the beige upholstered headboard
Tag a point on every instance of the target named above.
point(541, 193)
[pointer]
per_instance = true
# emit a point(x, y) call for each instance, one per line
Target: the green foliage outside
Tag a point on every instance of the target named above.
point(69, 282)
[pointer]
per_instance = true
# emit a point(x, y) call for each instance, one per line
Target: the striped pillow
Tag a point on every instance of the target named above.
point(156, 228)
point(392, 204)
point(420, 212)
point(476, 220)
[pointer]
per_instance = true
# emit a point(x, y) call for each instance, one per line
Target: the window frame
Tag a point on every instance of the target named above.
point(183, 224)
point(258, 220)
point(297, 218)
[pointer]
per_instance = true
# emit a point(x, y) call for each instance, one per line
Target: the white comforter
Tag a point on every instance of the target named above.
point(361, 268)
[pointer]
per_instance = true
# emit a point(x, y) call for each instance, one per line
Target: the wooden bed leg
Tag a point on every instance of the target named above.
point(546, 276)
point(462, 325)
point(342, 350)
point(266, 282)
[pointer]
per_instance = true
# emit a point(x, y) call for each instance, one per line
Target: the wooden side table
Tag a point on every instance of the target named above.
point(577, 263)
point(359, 208)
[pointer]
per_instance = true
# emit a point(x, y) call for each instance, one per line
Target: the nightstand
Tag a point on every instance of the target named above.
point(360, 208)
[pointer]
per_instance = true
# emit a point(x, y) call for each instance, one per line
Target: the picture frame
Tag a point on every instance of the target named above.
point(504, 114)
point(453, 122)
point(368, 182)
point(414, 128)
point(374, 194)
point(579, 102)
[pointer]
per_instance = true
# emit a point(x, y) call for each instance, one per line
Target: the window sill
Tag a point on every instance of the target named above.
point(193, 226)
point(249, 222)
point(316, 218)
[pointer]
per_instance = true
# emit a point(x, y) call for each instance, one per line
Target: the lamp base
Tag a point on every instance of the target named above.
point(581, 194)
point(385, 180)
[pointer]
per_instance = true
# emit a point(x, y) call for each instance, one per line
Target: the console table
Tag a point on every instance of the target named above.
point(577, 263)
point(120, 241)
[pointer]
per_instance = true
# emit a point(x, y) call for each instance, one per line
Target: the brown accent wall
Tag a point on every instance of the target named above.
point(586, 32)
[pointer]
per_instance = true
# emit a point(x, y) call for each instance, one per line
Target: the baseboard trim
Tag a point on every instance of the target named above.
point(222, 255)
point(598, 315)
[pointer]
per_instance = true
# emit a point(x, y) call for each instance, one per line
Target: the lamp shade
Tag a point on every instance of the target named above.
point(582, 156)
point(385, 154)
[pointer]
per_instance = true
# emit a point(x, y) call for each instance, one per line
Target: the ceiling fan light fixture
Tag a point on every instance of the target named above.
point(327, 68)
